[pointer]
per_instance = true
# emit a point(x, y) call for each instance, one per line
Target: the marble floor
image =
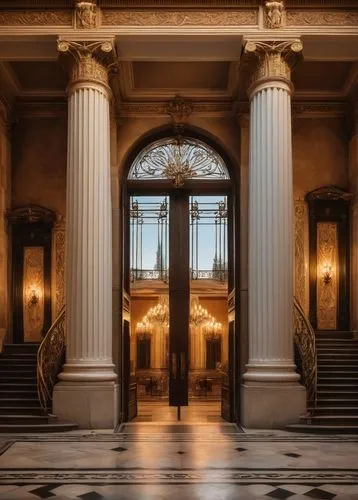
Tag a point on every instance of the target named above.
point(161, 461)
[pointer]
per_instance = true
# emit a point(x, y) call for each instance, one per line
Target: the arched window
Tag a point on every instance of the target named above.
point(178, 159)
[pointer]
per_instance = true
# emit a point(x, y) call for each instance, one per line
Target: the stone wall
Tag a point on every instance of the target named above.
point(5, 196)
point(320, 158)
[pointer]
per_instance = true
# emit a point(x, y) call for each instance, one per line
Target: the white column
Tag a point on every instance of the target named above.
point(272, 395)
point(87, 391)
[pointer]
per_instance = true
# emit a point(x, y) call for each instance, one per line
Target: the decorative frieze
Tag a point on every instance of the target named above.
point(321, 18)
point(36, 18)
point(179, 17)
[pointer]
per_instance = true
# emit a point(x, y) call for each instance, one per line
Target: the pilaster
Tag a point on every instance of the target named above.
point(272, 395)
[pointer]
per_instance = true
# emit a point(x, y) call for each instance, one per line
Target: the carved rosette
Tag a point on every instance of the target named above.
point(275, 60)
point(90, 63)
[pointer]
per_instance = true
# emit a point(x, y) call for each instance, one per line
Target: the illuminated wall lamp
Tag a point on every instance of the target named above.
point(34, 297)
point(327, 274)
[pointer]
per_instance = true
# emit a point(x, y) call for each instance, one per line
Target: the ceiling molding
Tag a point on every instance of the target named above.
point(159, 108)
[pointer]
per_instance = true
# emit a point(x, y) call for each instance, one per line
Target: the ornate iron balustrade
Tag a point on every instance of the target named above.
point(305, 341)
point(50, 358)
point(162, 275)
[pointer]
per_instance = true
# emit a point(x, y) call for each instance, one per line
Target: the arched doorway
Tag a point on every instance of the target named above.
point(179, 336)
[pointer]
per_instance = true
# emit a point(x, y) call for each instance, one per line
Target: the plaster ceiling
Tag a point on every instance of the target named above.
point(202, 67)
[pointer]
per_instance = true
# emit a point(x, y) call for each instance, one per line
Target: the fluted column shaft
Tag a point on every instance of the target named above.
point(89, 225)
point(271, 393)
point(270, 233)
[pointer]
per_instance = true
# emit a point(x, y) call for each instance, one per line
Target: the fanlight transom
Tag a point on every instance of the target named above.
point(178, 160)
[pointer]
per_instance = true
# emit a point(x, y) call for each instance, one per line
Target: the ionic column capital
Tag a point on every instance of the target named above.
point(275, 60)
point(90, 63)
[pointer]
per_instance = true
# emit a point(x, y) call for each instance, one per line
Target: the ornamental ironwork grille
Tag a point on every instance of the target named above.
point(178, 160)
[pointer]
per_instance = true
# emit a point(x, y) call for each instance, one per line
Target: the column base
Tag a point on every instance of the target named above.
point(271, 405)
point(90, 405)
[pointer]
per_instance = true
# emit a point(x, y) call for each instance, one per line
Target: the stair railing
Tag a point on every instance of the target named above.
point(50, 358)
point(305, 341)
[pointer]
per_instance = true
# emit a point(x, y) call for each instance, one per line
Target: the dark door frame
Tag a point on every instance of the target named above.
point(192, 187)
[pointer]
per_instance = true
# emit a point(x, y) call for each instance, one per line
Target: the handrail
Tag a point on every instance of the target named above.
point(305, 340)
point(50, 358)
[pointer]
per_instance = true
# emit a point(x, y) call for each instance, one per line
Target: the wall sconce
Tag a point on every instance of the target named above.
point(327, 274)
point(34, 297)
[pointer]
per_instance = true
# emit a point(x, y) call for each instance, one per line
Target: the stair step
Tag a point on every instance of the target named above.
point(58, 426)
point(344, 386)
point(332, 401)
point(339, 374)
point(333, 410)
point(323, 429)
point(21, 348)
point(18, 394)
point(23, 419)
point(330, 420)
point(335, 362)
point(28, 401)
point(18, 361)
point(337, 367)
point(17, 378)
point(18, 369)
point(21, 410)
point(341, 394)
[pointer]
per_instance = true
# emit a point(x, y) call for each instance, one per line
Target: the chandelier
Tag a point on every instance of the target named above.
point(198, 314)
point(159, 314)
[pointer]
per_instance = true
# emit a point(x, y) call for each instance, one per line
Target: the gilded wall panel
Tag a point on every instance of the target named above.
point(33, 293)
point(58, 268)
point(327, 275)
point(179, 18)
point(301, 254)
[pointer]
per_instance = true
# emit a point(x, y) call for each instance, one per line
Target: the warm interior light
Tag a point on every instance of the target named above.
point(34, 296)
point(327, 273)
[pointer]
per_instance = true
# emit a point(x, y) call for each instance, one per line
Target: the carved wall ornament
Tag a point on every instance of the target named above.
point(86, 14)
point(321, 18)
point(275, 59)
point(91, 60)
point(274, 14)
point(179, 110)
point(161, 17)
point(48, 17)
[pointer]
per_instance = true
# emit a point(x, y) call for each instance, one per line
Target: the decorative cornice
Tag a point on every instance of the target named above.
point(136, 109)
point(31, 214)
point(318, 109)
point(179, 17)
point(329, 193)
point(36, 18)
point(47, 109)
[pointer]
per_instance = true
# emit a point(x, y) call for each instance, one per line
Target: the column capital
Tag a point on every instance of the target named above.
point(90, 63)
point(275, 59)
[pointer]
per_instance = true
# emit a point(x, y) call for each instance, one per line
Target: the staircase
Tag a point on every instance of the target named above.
point(337, 386)
point(20, 409)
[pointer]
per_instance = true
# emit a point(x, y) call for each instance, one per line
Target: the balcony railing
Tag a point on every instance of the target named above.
point(163, 274)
